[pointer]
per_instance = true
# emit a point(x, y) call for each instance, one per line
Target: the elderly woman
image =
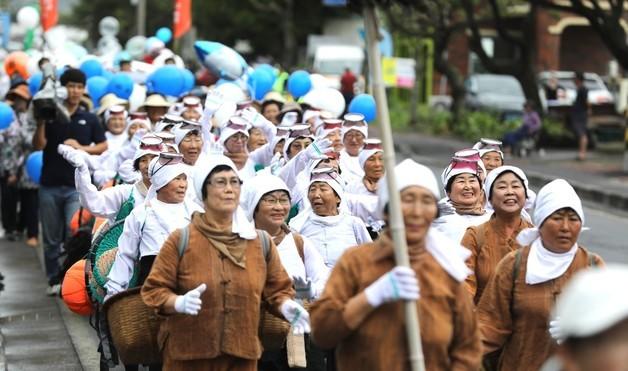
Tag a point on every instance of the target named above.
point(371, 160)
point(514, 310)
point(491, 153)
point(331, 230)
point(507, 190)
point(210, 285)
point(361, 310)
point(354, 132)
point(464, 205)
point(189, 140)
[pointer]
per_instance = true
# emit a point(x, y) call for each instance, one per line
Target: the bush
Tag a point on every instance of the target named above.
point(479, 124)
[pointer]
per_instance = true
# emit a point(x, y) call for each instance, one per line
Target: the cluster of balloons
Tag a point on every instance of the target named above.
point(171, 81)
point(261, 81)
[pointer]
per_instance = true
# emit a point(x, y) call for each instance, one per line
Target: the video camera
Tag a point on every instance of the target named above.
point(48, 101)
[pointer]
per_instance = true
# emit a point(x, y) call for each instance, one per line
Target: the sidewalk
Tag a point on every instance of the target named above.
point(599, 179)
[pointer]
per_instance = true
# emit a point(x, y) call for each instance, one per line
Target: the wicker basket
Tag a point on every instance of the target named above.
point(274, 330)
point(133, 327)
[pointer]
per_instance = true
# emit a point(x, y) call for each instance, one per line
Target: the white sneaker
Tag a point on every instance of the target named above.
point(53, 290)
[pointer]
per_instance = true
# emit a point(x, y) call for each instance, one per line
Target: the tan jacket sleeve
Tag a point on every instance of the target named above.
point(465, 352)
point(469, 241)
point(326, 314)
point(161, 283)
point(278, 286)
point(494, 309)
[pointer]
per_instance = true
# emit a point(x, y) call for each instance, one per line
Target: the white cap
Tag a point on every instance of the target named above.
point(593, 301)
point(252, 192)
point(371, 147)
point(493, 175)
point(202, 171)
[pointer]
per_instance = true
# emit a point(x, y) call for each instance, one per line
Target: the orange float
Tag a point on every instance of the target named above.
point(74, 290)
point(85, 219)
point(16, 63)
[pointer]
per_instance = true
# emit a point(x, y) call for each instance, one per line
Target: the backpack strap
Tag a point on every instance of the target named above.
point(184, 239)
point(515, 273)
point(265, 239)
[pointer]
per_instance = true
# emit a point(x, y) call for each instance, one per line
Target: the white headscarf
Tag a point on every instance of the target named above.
point(365, 154)
point(161, 175)
point(335, 184)
point(228, 131)
point(252, 192)
point(449, 254)
point(496, 173)
point(240, 225)
point(179, 134)
point(359, 128)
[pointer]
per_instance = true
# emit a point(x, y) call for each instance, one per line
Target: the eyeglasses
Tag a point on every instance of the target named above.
point(221, 183)
point(271, 201)
point(167, 159)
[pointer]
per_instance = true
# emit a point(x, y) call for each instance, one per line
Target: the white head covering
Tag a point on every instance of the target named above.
point(463, 162)
point(180, 133)
point(493, 175)
point(485, 146)
point(554, 196)
point(308, 114)
point(296, 131)
point(592, 302)
point(115, 110)
point(371, 147)
point(241, 225)
point(236, 124)
point(329, 176)
point(359, 128)
point(161, 175)
point(448, 253)
point(252, 192)
point(155, 146)
point(328, 126)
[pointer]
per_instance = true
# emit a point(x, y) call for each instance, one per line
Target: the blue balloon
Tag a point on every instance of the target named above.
point(189, 80)
point(34, 163)
point(97, 87)
point(166, 80)
point(34, 82)
point(91, 67)
point(121, 84)
point(299, 83)
point(6, 115)
point(107, 74)
point(260, 82)
point(267, 67)
point(122, 56)
point(164, 34)
point(221, 60)
point(364, 104)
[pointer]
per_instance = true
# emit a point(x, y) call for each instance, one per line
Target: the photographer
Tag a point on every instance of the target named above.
point(58, 198)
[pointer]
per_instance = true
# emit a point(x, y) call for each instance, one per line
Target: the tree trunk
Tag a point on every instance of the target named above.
point(455, 79)
point(289, 40)
point(418, 77)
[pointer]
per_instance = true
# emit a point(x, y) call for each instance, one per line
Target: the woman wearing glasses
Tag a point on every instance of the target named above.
point(361, 311)
point(165, 209)
point(113, 203)
point(464, 205)
point(354, 132)
point(330, 230)
point(210, 288)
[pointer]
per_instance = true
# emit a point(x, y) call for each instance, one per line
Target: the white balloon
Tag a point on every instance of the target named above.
point(326, 99)
point(108, 26)
point(319, 81)
point(231, 92)
point(165, 54)
point(136, 100)
point(28, 17)
point(135, 46)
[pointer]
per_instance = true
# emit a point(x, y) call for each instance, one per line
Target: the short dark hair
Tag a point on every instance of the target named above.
point(216, 170)
point(73, 75)
point(42, 61)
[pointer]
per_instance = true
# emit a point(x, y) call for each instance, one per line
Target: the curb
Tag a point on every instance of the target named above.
point(3, 359)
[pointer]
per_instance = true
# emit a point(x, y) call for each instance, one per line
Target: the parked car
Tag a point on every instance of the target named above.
point(498, 93)
point(600, 98)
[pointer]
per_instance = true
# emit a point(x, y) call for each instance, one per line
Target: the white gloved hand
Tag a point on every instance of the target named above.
point(398, 284)
point(190, 303)
point(254, 118)
point(303, 287)
point(127, 173)
point(297, 316)
point(213, 101)
point(554, 330)
point(317, 149)
point(75, 157)
point(289, 119)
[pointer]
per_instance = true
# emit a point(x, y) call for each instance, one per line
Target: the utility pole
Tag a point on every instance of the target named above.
point(141, 17)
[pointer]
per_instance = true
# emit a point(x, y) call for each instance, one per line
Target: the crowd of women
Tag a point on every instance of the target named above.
point(233, 212)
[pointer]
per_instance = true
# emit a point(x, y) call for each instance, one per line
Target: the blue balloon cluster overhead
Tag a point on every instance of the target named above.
point(364, 104)
point(34, 164)
point(92, 67)
point(96, 88)
point(299, 83)
point(221, 60)
point(260, 82)
point(6, 115)
point(121, 84)
point(170, 80)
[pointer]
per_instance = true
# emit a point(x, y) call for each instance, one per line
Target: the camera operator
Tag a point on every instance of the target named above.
point(58, 198)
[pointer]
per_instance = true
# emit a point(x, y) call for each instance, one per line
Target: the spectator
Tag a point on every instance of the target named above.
point(530, 125)
point(579, 115)
point(58, 197)
point(347, 82)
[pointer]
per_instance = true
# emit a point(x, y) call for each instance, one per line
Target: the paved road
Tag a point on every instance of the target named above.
point(608, 235)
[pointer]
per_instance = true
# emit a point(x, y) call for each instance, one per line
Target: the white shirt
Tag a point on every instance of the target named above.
point(314, 267)
point(331, 235)
point(363, 203)
point(145, 231)
point(350, 167)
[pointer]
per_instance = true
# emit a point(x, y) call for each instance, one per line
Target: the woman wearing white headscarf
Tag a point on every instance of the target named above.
point(147, 227)
point(210, 284)
point(491, 153)
point(361, 311)
point(514, 310)
point(113, 203)
point(354, 132)
point(330, 229)
point(507, 190)
point(464, 205)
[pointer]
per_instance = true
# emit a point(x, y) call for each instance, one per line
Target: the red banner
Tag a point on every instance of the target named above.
point(49, 13)
point(182, 17)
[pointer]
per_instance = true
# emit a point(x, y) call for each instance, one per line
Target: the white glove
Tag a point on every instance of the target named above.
point(554, 330)
point(317, 149)
point(73, 156)
point(127, 173)
point(254, 118)
point(289, 119)
point(190, 303)
point(303, 287)
point(297, 316)
point(213, 101)
point(398, 284)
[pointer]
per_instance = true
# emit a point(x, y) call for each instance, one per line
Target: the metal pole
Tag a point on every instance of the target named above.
point(141, 17)
point(413, 331)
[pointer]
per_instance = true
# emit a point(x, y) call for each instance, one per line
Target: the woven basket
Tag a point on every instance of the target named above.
point(274, 330)
point(133, 327)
